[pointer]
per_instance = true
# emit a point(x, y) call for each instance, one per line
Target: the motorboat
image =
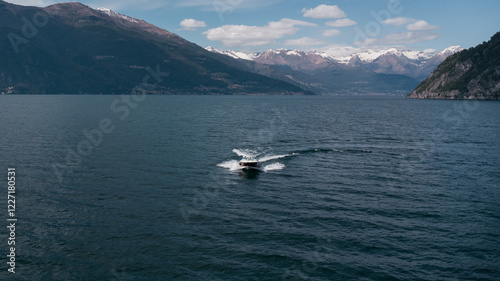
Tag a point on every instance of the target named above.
point(248, 162)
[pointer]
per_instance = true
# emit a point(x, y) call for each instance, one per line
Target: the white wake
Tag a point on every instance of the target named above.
point(233, 165)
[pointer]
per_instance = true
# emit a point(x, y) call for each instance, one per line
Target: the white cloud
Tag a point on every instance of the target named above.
point(324, 12)
point(398, 21)
point(341, 23)
point(304, 42)
point(414, 25)
point(400, 39)
point(244, 35)
point(192, 24)
point(331, 32)
point(420, 25)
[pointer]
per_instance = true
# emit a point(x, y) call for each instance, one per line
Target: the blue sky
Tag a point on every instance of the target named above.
point(340, 26)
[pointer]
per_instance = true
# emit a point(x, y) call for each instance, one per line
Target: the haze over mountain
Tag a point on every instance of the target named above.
point(415, 64)
point(384, 71)
point(70, 48)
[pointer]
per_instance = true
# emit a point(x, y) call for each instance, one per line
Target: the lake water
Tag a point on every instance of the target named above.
point(350, 188)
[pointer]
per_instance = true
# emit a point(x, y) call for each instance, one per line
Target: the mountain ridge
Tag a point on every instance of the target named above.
point(415, 64)
point(389, 71)
point(80, 50)
point(325, 76)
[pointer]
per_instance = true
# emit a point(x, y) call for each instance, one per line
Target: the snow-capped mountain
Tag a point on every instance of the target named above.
point(415, 64)
point(109, 53)
point(323, 75)
point(294, 59)
point(431, 64)
point(452, 50)
point(234, 54)
point(371, 55)
point(112, 13)
point(134, 23)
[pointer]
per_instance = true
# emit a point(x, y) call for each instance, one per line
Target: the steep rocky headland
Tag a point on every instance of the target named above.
point(470, 74)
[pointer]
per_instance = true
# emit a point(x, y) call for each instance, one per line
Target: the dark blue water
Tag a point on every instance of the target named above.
point(351, 188)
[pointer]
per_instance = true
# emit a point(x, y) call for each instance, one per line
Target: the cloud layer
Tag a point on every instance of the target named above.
point(244, 35)
point(420, 25)
point(331, 32)
point(304, 42)
point(192, 24)
point(399, 39)
point(324, 12)
point(341, 23)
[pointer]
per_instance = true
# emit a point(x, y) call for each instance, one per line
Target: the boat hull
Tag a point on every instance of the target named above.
point(250, 165)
